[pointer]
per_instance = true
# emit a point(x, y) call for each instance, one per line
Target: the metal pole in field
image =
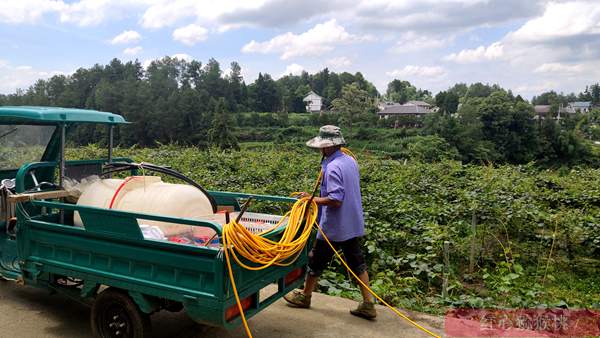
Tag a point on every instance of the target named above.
point(446, 269)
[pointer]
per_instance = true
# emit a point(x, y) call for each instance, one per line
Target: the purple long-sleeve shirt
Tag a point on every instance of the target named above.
point(341, 182)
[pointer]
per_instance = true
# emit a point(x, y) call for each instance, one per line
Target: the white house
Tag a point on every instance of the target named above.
point(314, 102)
point(574, 107)
point(580, 107)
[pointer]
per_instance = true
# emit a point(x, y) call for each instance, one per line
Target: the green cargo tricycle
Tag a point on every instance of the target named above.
point(107, 261)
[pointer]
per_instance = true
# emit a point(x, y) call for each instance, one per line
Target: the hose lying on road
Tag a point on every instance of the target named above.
point(238, 241)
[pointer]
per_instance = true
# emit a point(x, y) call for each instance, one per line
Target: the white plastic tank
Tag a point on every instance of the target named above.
point(150, 195)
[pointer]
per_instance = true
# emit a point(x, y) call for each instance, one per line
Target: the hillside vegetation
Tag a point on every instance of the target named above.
point(196, 104)
point(536, 239)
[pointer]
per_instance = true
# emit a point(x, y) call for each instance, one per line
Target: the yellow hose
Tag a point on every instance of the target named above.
point(239, 241)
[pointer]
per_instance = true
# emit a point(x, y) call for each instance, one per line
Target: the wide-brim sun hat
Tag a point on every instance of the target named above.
point(329, 136)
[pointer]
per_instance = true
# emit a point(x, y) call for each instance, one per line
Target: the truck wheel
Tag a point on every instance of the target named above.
point(115, 315)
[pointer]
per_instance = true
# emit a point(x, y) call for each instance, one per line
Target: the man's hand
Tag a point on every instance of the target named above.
point(321, 200)
point(327, 202)
point(302, 194)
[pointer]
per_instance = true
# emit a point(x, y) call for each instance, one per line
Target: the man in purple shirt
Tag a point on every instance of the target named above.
point(341, 218)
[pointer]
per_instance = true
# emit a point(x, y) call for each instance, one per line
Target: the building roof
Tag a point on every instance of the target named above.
point(311, 93)
point(580, 104)
point(403, 109)
point(419, 103)
point(55, 115)
point(542, 108)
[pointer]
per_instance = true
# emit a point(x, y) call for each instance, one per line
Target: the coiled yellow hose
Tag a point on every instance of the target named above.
point(239, 241)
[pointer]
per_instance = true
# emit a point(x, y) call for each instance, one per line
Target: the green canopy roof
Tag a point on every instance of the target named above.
point(55, 115)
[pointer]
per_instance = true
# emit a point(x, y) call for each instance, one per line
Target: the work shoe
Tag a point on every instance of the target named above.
point(365, 310)
point(298, 299)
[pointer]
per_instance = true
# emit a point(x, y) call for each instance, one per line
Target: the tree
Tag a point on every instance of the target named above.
point(460, 89)
point(509, 126)
point(463, 132)
point(220, 134)
point(586, 95)
point(236, 82)
point(595, 93)
point(400, 91)
point(354, 105)
point(212, 81)
point(447, 102)
point(560, 146)
point(481, 90)
point(265, 95)
point(451, 103)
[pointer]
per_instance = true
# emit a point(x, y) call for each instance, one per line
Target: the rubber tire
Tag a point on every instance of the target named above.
point(112, 299)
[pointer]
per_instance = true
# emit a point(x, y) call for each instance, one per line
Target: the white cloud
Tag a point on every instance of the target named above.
point(481, 53)
point(82, 12)
point(182, 56)
point(293, 69)
point(268, 13)
point(390, 15)
point(442, 17)
point(13, 78)
point(417, 71)
point(556, 67)
point(27, 11)
point(413, 42)
point(166, 13)
point(190, 34)
point(132, 50)
point(163, 13)
point(551, 39)
point(537, 88)
point(560, 20)
point(227, 27)
point(566, 32)
point(563, 41)
point(339, 62)
point(94, 12)
point(85, 12)
point(126, 37)
point(318, 40)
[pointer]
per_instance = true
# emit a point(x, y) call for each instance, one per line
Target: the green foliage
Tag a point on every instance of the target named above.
point(500, 128)
point(354, 105)
point(430, 149)
point(589, 125)
point(402, 91)
point(178, 101)
point(447, 102)
point(536, 239)
point(175, 100)
point(510, 126)
point(220, 133)
point(264, 93)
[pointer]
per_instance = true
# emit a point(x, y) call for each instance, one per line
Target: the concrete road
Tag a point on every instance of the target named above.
point(30, 312)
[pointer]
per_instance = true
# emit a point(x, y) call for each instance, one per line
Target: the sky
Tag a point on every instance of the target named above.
point(528, 46)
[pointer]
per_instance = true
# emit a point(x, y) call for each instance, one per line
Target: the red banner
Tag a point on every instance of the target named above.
point(522, 323)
